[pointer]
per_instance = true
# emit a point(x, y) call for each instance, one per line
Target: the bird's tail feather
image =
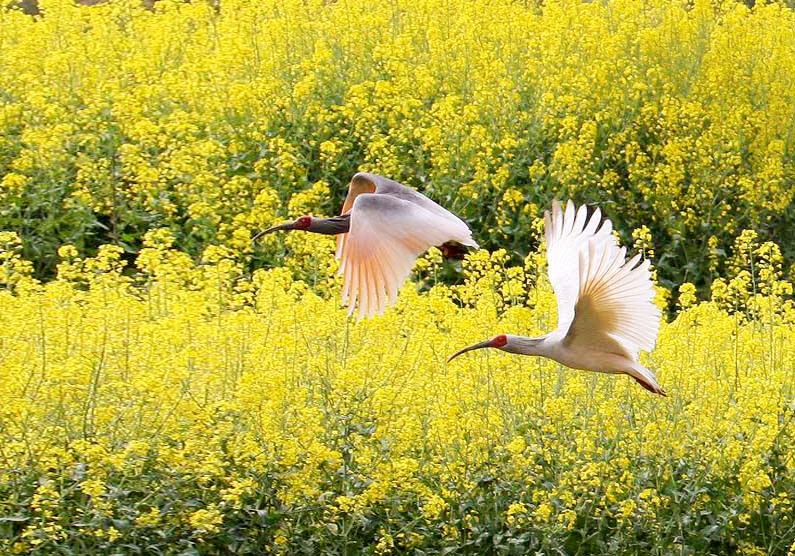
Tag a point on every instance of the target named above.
point(646, 378)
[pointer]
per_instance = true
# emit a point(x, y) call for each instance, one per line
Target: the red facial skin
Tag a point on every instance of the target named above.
point(499, 341)
point(303, 223)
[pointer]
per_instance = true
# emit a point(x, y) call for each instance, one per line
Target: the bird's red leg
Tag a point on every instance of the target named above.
point(453, 250)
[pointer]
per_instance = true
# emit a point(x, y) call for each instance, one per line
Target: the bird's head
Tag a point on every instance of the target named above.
point(300, 223)
point(498, 342)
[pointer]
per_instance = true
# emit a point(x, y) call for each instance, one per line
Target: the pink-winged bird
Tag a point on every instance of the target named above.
point(605, 310)
point(384, 226)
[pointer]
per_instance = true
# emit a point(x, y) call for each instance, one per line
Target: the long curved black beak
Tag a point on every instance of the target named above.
point(285, 226)
point(479, 345)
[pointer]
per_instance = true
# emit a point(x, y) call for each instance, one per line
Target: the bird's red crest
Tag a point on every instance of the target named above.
point(303, 223)
point(499, 341)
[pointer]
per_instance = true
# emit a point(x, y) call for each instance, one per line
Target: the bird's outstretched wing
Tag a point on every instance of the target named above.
point(615, 312)
point(387, 234)
point(364, 182)
point(568, 235)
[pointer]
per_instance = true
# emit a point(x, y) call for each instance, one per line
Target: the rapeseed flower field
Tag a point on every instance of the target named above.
point(168, 387)
point(189, 407)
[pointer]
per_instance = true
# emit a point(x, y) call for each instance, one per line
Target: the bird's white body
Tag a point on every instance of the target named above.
point(606, 313)
point(390, 226)
point(552, 347)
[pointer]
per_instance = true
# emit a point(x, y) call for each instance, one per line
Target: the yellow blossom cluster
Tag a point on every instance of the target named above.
point(217, 119)
point(181, 402)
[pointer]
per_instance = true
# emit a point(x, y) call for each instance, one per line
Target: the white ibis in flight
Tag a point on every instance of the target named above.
point(605, 310)
point(383, 228)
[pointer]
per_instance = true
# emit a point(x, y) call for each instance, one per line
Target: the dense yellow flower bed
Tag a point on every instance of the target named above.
point(168, 387)
point(188, 407)
point(215, 121)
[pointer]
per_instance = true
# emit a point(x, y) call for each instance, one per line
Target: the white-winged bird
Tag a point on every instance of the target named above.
point(383, 228)
point(605, 310)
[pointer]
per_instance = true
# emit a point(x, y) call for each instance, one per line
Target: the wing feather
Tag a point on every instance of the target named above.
point(364, 288)
point(389, 280)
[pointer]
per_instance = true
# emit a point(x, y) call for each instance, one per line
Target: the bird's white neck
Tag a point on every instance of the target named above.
point(528, 346)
